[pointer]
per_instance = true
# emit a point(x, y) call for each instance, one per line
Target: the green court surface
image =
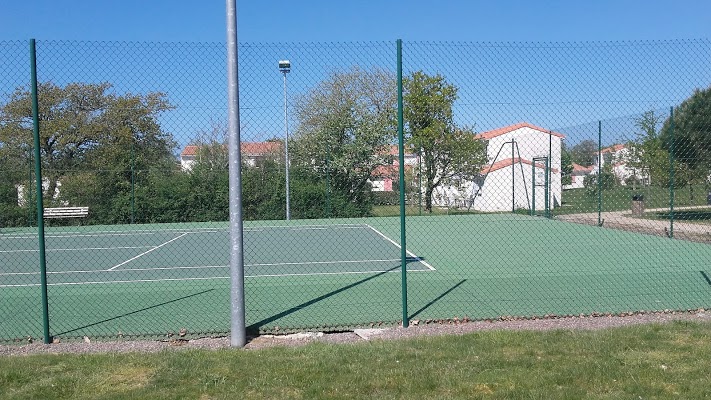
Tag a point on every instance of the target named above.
point(149, 280)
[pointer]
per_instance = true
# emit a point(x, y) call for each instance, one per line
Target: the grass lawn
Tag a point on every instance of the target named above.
point(619, 198)
point(392, 211)
point(649, 361)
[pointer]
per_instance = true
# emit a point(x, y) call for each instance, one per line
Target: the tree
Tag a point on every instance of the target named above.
point(92, 141)
point(692, 139)
point(584, 153)
point(692, 130)
point(448, 153)
point(646, 153)
point(344, 131)
point(566, 162)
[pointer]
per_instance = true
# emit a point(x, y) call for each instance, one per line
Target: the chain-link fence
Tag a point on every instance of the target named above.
point(539, 179)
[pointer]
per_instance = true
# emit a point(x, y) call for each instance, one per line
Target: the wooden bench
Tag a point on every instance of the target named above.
point(66, 212)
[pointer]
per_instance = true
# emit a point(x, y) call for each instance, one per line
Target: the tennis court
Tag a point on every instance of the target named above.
point(150, 280)
point(76, 258)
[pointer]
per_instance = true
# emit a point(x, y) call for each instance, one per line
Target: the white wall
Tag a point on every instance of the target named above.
point(495, 194)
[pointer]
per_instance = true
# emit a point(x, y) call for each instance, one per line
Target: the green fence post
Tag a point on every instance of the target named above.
point(547, 184)
point(419, 180)
point(40, 206)
point(671, 172)
point(513, 176)
point(133, 179)
point(599, 173)
point(533, 188)
point(549, 172)
point(401, 163)
point(328, 178)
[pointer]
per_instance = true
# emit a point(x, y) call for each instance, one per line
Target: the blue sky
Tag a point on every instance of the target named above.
point(364, 20)
point(568, 85)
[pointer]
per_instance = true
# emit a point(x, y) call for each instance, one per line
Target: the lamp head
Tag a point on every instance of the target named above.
point(284, 66)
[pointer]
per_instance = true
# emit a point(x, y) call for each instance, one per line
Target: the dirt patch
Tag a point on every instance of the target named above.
point(693, 232)
point(417, 329)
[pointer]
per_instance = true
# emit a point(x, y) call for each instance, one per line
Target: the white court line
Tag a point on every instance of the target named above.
point(203, 279)
point(400, 247)
point(146, 252)
point(305, 227)
point(317, 262)
point(71, 234)
point(89, 271)
point(144, 232)
point(77, 249)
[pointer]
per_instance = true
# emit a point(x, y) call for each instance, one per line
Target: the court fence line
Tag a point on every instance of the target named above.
point(398, 161)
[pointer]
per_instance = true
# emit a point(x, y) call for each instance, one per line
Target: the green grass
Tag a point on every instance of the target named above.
point(649, 361)
point(695, 215)
point(619, 198)
point(393, 211)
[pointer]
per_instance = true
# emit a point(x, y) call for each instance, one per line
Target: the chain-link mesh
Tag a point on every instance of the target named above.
point(539, 179)
point(569, 210)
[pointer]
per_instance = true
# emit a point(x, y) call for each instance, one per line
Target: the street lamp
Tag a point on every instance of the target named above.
point(285, 68)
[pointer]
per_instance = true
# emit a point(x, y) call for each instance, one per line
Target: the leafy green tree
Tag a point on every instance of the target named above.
point(95, 143)
point(11, 214)
point(607, 180)
point(692, 139)
point(692, 130)
point(584, 153)
point(566, 162)
point(449, 153)
point(345, 128)
point(645, 151)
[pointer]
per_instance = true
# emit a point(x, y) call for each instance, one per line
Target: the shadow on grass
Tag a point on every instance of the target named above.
point(438, 298)
point(253, 329)
point(690, 215)
point(134, 312)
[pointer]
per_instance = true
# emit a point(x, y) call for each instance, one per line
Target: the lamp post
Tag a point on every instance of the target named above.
point(285, 68)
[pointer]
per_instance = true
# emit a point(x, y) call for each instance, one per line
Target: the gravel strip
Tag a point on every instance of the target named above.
point(417, 329)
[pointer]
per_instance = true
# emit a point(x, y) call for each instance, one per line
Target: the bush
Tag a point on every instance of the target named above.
point(607, 182)
point(386, 198)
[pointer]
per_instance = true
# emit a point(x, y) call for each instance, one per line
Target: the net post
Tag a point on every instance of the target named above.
point(40, 206)
point(599, 173)
point(548, 188)
point(533, 188)
point(513, 175)
point(238, 332)
point(401, 164)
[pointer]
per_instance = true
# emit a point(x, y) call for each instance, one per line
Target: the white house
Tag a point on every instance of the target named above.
point(21, 192)
point(619, 156)
point(252, 152)
point(578, 176)
point(383, 177)
point(507, 181)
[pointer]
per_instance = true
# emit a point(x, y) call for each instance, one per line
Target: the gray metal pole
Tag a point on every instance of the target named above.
point(286, 149)
point(238, 337)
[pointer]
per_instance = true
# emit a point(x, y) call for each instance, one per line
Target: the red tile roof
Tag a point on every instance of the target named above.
point(389, 171)
point(250, 148)
point(507, 163)
point(580, 168)
point(613, 148)
point(260, 148)
point(501, 131)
